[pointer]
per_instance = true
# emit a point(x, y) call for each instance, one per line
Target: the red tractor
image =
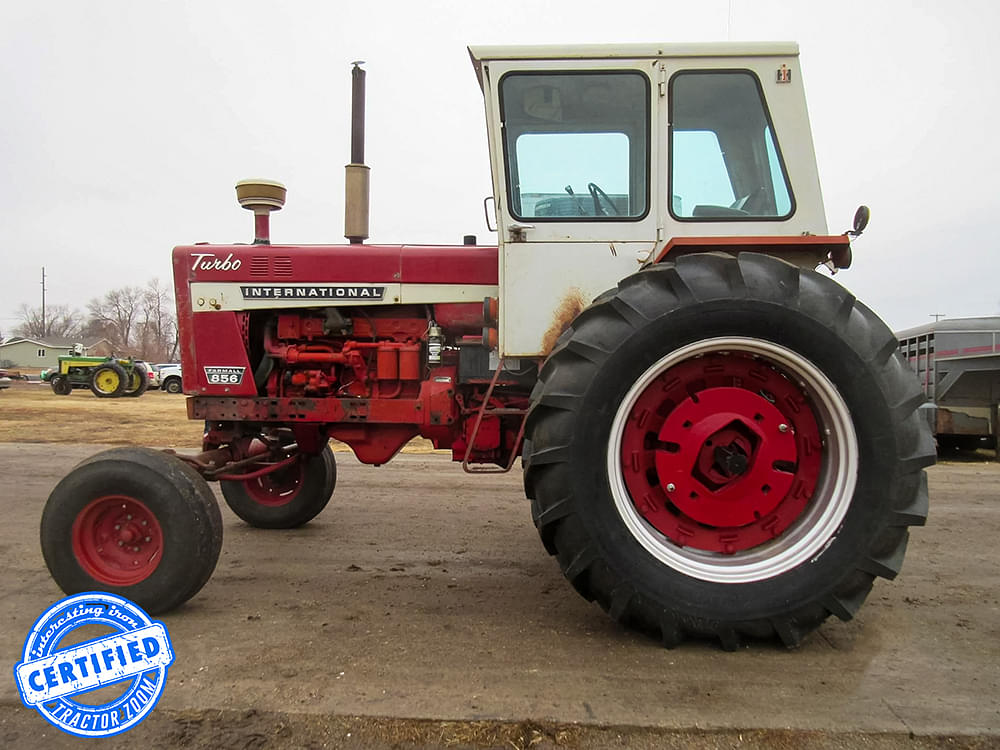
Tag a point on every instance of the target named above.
point(717, 439)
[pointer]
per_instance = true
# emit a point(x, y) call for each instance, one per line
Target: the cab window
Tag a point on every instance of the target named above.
point(576, 145)
point(725, 163)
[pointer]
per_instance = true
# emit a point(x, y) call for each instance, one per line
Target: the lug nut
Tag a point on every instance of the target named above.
point(146, 539)
point(120, 542)
point(671, 487)
point(128, 517)
point(782, 428)
point(143, 523)
point(118, 526)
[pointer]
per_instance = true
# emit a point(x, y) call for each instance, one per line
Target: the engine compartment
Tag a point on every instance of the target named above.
point(268, 347)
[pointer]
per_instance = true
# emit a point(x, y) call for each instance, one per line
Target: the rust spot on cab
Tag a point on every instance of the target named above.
point(571, 306)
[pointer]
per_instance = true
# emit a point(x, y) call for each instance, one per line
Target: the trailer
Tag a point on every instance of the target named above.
point(958, 364)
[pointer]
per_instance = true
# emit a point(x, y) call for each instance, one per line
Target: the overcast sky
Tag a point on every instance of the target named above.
point(126, 124)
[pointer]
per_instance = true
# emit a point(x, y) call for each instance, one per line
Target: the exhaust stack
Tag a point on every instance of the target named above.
point(356, 186)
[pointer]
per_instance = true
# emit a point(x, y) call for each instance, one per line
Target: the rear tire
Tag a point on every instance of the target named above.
point(138, 382)
point(108, 380)
point(134, 522)
point(286, 498)
point(172, 385)
point(727, 447)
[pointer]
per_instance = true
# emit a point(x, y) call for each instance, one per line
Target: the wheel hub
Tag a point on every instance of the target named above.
point(721, 452)
point(279, 487)
point(117, 540)
point(730, 460)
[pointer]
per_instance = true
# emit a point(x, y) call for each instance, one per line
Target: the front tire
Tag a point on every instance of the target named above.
point(61, 385)
point(286, 498)
point(134, 522)
point(727, 447)
point(172, 385)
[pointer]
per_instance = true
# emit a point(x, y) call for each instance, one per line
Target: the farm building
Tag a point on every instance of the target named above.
point(19, 351)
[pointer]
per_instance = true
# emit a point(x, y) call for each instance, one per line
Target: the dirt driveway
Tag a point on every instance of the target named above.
point(420, 610)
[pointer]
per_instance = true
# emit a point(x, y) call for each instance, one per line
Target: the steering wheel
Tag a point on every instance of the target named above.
point(597, 194)
point(753, 203)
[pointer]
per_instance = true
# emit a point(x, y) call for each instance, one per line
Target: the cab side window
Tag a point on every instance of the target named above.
point(576, 145)
point(725, 163)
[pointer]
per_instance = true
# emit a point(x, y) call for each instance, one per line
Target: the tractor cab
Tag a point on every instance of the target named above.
point(608, 158)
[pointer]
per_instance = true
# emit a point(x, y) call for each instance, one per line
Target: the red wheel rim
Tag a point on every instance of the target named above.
point(721, 452)
point(117, 540)
point(279, 487)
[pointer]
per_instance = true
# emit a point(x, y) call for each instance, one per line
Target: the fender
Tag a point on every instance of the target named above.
point(807, 250)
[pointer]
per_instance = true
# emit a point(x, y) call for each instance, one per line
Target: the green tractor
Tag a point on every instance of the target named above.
point(107, 377)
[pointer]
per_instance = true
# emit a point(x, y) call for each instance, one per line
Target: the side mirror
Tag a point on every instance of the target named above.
point(861, 217)
point(486, 210)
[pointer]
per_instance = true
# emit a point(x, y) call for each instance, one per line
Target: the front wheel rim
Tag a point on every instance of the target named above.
point(732, 460)
point(117, 540)
point(279, 487)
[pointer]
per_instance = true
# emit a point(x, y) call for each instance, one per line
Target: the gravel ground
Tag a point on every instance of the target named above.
point(420, 610)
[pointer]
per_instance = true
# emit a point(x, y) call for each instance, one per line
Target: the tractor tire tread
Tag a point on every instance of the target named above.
point(647, 295)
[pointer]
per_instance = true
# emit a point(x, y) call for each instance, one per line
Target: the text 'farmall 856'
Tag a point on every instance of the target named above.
point(717, 440)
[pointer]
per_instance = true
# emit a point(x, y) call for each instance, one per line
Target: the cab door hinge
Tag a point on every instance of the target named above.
point(518, 231)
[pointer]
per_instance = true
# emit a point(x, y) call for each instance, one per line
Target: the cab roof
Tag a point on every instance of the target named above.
point(484, 53)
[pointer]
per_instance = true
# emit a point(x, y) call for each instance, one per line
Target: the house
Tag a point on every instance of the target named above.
point(21, 351)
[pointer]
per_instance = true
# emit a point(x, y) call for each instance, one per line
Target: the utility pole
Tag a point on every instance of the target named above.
point(938, 316)
point(45, 328)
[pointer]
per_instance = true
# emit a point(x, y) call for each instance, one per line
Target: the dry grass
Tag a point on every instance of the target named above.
point(32, 413)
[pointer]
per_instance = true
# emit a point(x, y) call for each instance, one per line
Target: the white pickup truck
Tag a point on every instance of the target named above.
point(170, 377)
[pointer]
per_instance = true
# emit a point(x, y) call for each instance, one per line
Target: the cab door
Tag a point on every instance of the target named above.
point(573, 149)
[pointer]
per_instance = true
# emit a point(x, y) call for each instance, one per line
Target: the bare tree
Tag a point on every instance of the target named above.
point(94, 330)
point(60, 322)
point(116, 314)
point(157, 329)
point(136, 320)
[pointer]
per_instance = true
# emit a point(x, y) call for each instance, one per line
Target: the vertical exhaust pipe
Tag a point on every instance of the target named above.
point(356, 186)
